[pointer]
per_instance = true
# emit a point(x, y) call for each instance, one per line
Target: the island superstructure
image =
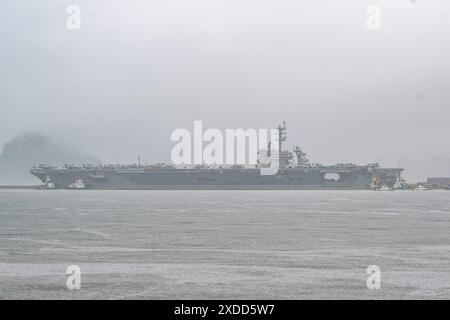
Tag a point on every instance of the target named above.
point(295, 172)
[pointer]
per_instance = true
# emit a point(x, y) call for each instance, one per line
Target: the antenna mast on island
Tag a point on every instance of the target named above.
point(282, 135)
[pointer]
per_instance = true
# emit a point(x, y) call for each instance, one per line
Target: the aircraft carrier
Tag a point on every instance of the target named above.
point(295, 173)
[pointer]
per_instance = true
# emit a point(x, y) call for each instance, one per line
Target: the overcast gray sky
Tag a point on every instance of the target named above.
point(139, 69)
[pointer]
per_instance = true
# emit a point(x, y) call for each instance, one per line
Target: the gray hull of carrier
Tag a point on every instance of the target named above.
point(350, 177)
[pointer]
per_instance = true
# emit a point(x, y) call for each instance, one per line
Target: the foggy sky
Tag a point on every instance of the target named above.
point(139, 69)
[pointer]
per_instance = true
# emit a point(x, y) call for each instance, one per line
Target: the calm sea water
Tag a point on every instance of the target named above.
point(224, 244)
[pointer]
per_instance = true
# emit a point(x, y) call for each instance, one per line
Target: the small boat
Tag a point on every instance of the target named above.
point(385, 188)
point(420, 187)
point(79, 184)
point(48, 184)
point(400, 184)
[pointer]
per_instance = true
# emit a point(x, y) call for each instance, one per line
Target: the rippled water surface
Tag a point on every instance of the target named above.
point(224, 244)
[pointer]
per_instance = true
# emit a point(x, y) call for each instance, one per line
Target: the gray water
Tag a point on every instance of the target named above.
point(224, 244)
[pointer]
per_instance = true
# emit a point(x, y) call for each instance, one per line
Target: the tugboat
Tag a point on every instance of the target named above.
point(48, 184)
point(79, 184)
point(385, 188)
point(377, 186)
point(400, 184)
point(420, 187)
